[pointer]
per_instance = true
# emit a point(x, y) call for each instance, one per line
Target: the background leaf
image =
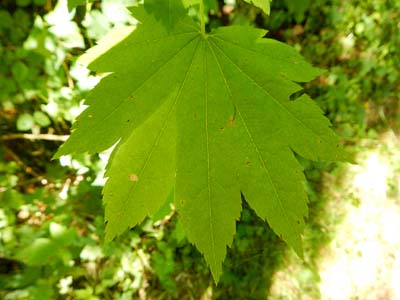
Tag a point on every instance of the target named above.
point(263, 4)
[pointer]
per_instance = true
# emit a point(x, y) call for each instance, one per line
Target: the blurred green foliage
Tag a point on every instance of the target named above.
point(51, 215)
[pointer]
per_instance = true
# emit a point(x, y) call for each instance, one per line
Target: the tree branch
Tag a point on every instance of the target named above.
point(32, 137)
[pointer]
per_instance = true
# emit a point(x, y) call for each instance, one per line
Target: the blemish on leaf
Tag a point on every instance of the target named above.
point(133, 178)
point(231, 121)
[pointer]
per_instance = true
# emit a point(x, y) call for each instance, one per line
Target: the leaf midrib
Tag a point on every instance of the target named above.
point(162, 130)
point(210, 210)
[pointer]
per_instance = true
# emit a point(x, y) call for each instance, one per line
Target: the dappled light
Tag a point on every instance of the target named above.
point(363, 258)
point(361, 261)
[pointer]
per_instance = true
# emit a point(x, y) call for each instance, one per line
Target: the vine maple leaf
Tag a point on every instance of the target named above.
point(210, 117)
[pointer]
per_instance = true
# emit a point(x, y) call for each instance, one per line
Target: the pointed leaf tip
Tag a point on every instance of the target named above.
point(263, 4)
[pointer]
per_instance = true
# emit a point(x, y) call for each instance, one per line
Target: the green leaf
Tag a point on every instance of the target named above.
point(20, 71)
point(74, 3)
point(210, 117)
point(23, 3)
point(40, 248)
point(263, 4)
point(41, 119)
point(168, 11)
point(165, 209)
point(298, 8)
point(25, 122)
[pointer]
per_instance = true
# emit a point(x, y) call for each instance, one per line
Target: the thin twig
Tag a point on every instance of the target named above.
point(70, 81)
point(19, 161)
point(29, 136)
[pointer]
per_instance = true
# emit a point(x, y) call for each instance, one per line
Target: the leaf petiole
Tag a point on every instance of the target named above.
point(202, 19)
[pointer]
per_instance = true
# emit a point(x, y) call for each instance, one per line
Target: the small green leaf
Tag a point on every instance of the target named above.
point(6, 19)
point(41, 119)
point(74, 3)
point(35, 253)
point(39, 2)
point(298, 8)
point(263, 4)
point(25, 122)
point(168, 11)
point(20, 71)
point(23, 3)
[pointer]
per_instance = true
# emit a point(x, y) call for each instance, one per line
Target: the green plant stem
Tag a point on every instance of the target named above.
point(202, 19)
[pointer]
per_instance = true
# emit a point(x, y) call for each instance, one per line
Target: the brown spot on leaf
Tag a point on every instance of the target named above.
point(133, 178)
